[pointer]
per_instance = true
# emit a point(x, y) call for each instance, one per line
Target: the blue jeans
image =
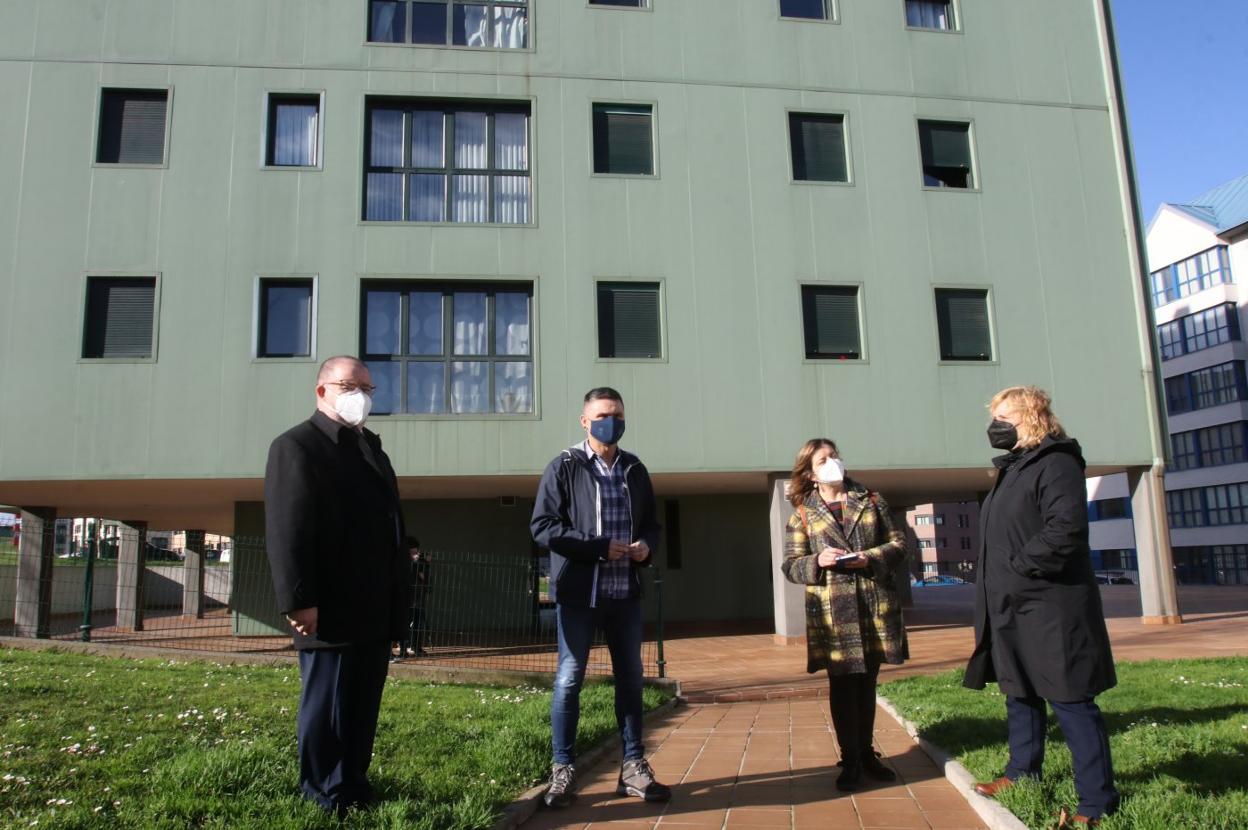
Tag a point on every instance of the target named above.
point(620, 620)
point(1086, 735)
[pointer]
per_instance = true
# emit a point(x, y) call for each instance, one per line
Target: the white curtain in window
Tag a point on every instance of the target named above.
point(513, 387)
point(386, 145)
point(294, 143)
point(511, 27)
point(511, 141)
point(426, 196)
point(470, 323)
point(469, 199)
point(470, 132)
point(383, 199)
point(428, 140)
point(927, 14)
point(476, 26)
point(511, 200)
point(425, 387)
point(469, 387)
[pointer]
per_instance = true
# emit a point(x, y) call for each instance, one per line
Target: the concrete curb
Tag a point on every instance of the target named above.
point(992, 813)
point(522, 809)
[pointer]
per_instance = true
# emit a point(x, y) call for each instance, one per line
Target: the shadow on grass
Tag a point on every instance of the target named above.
point(1212, 773)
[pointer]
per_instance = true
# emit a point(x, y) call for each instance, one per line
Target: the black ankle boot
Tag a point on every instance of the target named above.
point(850, 777)
point(874, 767)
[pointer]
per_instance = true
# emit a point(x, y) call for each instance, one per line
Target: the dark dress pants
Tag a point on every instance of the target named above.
point(338, 710)
point(1086, 735)
point(851, 697)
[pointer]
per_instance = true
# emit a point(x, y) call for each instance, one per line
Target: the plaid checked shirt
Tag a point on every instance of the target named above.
point(617, 523)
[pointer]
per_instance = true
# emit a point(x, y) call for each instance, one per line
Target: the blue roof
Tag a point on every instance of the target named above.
point(1225, 207)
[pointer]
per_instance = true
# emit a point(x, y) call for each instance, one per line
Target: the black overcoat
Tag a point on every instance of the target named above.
point(333, 526)
point(1039, 625)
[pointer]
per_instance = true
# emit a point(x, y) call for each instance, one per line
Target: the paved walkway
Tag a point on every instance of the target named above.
point(754, 749)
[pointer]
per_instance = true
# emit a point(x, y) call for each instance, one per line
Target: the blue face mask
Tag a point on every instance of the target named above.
point(607, 431)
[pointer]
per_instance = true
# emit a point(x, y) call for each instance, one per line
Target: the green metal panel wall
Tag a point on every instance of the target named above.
point(721, 225)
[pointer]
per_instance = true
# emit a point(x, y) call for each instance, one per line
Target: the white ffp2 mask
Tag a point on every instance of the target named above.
point(353, 407)
point(831, 471)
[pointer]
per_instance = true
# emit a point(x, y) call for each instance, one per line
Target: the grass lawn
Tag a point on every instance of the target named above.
point(102, 742)
point(1178, 734)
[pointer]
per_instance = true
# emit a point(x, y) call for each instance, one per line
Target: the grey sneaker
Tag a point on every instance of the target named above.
point(637, 780)
point(562, 787)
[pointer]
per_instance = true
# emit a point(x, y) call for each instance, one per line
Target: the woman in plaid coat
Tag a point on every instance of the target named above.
point(843, 546)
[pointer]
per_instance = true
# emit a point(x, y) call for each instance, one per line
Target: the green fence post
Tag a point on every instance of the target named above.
point(658, 624)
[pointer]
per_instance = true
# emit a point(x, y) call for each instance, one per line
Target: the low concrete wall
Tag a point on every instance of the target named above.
point(162, 587)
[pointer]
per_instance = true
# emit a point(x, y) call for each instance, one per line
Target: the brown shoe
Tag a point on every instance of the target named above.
point(1065, 821)
point(990, 789)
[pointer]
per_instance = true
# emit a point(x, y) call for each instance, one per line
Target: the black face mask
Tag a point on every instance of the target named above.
point(1002, 435)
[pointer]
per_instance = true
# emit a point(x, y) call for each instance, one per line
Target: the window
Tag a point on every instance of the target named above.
point(962, 320)
point(294, 133)
point(447, 161)
point(1198, 331)
point(285, 318)
point(1227, 504)
point(963, 520)
point(805, 9)
point(926, 543)
point(965, 542)
point(1211, 386)
point(940, 541)
point(496, 24)
point(633, 4)
point(830, 322)
point(119, 319)
point(132, 126)
point(930, 14)
point(1102, 509)
point(1188, 276)
point(923, 520)
point(1184, 450)
point(946, 150)
point(623, 139)
point(1185, 509)
point(629, 320)
point(1223, 444)
point(817, 144)
point(448, 348)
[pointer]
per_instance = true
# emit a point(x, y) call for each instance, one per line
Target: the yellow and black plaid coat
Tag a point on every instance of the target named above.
point(850, 614)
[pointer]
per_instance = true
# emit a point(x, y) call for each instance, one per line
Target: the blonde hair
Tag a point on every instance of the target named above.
point(799, 481)
point(1034, 406)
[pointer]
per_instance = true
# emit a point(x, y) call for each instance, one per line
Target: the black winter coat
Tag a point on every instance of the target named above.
point(333, 525)
point(1039, 625)
point(567, 522)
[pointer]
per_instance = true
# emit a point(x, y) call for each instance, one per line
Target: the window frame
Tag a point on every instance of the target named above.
point(594, 103)
point(993, 359)
point(273, 96)
point(259, 317)
point(642, 6)
point(661, 283)
point(955, 12)
point(850, 178)
point(976, 185)
point(163, 164)
point(408, 283)
point(491, 104)
point(831, 9)
point(100, 273)
point(450, 22)
point(1167, 277)
point(864, 356)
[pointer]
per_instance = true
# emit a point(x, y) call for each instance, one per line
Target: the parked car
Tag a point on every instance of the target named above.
point(1114, 579)
point(939, 579)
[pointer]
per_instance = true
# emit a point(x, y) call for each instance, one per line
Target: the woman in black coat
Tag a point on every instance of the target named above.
point(1039, 627)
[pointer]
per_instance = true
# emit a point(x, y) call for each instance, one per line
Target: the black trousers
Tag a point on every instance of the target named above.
point(851, 697)
point(1086, 735)
point(338, 709)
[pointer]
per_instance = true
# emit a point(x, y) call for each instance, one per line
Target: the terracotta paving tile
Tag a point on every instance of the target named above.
point(698, 818)
point(623, 825)
point(952, 819)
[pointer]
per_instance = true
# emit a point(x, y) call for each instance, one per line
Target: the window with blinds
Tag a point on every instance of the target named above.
point(962, 319)
point(132, 126)
point(624, 139)
point(629, 320)
point(817, 143)
point(831, 323)
point(119, 317)
point(946, 150)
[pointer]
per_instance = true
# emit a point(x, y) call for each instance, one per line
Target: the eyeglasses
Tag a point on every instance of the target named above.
point(348, 386)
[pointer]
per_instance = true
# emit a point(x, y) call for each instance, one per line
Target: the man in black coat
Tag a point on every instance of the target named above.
point(1039, 626)
point(333, 524)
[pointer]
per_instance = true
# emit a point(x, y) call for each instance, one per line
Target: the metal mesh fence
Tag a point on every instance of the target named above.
point(472, 609)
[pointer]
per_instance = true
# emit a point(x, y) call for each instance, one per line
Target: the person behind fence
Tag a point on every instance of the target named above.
point(413, 646)
point(1039, 626)
point(843, 545)
point(334, 524)
point(595, 512)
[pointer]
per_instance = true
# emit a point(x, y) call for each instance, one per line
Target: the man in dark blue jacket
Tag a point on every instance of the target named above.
point(595, 512)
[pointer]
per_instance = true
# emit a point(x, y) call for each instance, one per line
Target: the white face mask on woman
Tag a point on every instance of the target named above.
point(831, 471)
point(353, 407)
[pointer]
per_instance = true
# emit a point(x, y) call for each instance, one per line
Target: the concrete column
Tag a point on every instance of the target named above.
point(33, 612)
point(1158, 592)
point(131, 563)
point(789, 599)
point(901, 576)
point(193, 575)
